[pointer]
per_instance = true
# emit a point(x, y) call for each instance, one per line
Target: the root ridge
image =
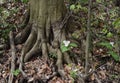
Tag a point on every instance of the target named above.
point(37, 42)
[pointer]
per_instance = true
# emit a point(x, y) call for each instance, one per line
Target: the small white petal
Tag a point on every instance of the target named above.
point(66, 43)
point(76, 70)
point(112, 43)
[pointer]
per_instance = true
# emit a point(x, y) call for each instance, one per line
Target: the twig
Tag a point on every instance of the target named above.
point(96, 69)
point(13, 51)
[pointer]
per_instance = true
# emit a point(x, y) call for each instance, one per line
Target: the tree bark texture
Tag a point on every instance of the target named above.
point(47, 31)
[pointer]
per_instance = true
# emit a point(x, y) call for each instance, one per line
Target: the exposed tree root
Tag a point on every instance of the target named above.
point(11, 76)
point(48, 31)
point(22, 36)
point(28, 45)
point(67, 58)
point(37, 42)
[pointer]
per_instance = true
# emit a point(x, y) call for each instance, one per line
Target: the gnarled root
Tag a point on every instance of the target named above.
point(38, 42)
point(11, 76)
point(28, 45)
point(22, 36)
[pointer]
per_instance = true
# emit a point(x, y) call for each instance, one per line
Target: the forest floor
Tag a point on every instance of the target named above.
point(103, 68)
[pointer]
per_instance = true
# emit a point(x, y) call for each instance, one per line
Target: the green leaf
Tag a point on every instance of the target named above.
point(107, 45)
point(67, 48)
point(73, 74)
point(64, 48)
point(109, 35)
point(116, 21)
point(73, 45)
point(53, 55)
point(16, 72)
point(114, 55)
point(72, 7)
point(104, 31)
point(78, 6)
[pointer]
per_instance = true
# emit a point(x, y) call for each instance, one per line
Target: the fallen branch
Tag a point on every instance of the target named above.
point(13, 51)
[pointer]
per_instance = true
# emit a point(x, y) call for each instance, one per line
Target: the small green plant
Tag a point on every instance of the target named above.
point(110, 47)
point(115, 56)
point(67, 45)
point(73, 74)
point(116, 23)
point(109, 35)
point(106, 44)
point(16, 72)
point(53, 55)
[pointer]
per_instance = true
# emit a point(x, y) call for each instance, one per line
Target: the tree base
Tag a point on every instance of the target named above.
point(36, 42)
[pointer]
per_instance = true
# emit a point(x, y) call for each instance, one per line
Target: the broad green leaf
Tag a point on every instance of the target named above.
point(73, 45)
point(16, 72)
point(78, 6)
point(116, 21)
point(114, 55)
point(109, 34)
point(104, 31)
point(72, 7)
point(107, 45)
point(73, 74)
point(64, 49)
point(67, 48)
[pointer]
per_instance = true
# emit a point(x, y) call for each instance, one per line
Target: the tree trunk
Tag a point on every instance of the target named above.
point(46, 17)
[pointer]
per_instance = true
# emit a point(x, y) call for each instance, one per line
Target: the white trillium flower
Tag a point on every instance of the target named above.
point(76, 70)
point(112, 43)
point(66, 43)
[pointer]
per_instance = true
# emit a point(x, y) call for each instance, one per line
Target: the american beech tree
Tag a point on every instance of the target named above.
point(46, 29)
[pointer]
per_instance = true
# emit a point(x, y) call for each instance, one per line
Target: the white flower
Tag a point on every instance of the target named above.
point(75, 70)
point(66, 43)
point(112, 43)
